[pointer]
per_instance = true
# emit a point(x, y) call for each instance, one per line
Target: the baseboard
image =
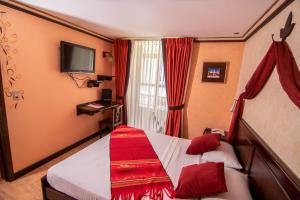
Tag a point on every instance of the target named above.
point(37, 164)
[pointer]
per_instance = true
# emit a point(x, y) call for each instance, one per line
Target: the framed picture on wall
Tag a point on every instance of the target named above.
point(214, 72)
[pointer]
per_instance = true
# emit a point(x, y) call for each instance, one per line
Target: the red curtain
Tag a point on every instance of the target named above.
point(280, 55)
point(122, 49)
point(177, 53)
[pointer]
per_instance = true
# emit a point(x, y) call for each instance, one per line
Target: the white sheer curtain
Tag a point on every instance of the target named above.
point(146, 94)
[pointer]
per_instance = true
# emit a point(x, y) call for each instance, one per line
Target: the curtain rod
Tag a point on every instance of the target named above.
point(147, 39)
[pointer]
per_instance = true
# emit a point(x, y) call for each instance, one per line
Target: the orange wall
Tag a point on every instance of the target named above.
point(208, 104)
point(46, 120)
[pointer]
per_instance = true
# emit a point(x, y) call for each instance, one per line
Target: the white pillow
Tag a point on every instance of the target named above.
point(223, 153)
point(237, 187)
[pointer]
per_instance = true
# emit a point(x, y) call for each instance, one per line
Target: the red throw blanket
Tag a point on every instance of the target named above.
point(135, 169)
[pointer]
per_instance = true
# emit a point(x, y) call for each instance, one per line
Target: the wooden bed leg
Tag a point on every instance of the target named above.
point(49, 193)
point(44, 183)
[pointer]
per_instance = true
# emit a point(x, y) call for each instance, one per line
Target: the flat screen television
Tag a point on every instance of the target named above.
point(76, 58)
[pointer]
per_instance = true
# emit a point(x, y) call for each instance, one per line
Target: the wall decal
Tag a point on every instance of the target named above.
point(7, 65)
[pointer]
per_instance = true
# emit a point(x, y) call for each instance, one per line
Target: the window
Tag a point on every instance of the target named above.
point(146, 96)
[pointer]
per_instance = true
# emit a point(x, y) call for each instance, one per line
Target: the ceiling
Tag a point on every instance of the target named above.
point(159, 18)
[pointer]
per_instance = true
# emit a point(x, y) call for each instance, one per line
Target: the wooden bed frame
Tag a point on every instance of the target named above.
point(269, 178)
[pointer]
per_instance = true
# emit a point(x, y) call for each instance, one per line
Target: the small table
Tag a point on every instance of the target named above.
point(88, 110)
point(85, 109)
point(112, 123)
point(208, 131)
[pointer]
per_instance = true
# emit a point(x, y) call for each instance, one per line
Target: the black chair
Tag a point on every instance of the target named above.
point(110, 124)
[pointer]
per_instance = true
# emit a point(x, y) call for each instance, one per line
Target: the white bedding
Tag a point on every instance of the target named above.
point(86, 174)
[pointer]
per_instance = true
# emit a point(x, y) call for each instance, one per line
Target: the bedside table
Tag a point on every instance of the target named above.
point(208, 131)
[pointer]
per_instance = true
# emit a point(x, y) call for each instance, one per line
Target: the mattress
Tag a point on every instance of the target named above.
point(86, 174)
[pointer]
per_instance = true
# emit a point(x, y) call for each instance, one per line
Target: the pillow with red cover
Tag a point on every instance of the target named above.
point(204, 143)
point(201, 180)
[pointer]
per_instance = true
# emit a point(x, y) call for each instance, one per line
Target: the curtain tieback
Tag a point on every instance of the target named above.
point(176, 107)
point(120, 97)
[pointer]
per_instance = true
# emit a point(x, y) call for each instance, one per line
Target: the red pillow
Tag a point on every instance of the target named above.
point(204, 144)
point(201, 180)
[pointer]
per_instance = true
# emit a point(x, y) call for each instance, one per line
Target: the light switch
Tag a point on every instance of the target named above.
point(16, 95)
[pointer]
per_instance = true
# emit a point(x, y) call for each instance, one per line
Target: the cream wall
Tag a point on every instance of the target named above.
point(46, 120)
point(272, 115)
point(208, 104)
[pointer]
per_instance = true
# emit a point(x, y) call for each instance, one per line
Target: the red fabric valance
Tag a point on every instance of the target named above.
point(122, 49)
point(177, 54)
point(280, 55)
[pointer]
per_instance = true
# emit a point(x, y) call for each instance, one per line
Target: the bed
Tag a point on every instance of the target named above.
point(86, 174)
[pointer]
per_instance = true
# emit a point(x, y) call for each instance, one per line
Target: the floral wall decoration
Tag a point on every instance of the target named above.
point(7, 65)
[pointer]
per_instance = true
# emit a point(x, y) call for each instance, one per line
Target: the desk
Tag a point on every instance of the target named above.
point(112, 122)
point(84, 109)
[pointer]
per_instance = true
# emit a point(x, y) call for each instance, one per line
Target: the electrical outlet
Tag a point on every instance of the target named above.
point(16, 95)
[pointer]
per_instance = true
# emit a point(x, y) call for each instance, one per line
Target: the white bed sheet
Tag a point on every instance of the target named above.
point(86, 174)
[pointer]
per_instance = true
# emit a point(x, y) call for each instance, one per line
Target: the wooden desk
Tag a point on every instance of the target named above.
point(84, 109)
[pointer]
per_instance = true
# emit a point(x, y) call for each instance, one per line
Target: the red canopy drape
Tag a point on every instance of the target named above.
point(122, 64)
point(280, 55)
point(177, 53)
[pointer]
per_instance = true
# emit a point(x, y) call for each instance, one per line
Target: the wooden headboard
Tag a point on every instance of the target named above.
point(269, 177)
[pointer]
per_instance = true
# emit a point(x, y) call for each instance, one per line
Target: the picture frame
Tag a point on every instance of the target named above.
point(214, 72)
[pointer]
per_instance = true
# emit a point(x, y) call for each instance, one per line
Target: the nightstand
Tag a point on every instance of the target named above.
point(208, 131)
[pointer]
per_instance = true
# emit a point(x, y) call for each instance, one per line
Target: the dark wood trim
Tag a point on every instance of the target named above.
point(57, 20)
point(245, 37)
point(257, 21)
point(53, 156)
point(269, 177)
point(259, 142)
point(268, 19)
point(73, 26)
point(6, 159)
point(240, 38)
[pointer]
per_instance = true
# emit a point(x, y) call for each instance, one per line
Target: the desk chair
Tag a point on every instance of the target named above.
point(113, 122)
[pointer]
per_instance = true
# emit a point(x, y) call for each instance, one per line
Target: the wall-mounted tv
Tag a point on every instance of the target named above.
point(76, 58)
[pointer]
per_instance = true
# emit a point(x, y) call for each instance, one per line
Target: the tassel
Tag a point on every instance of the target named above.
point(154, 193)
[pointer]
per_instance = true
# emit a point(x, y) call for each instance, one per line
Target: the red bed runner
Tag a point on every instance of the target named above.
point(135, 168)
